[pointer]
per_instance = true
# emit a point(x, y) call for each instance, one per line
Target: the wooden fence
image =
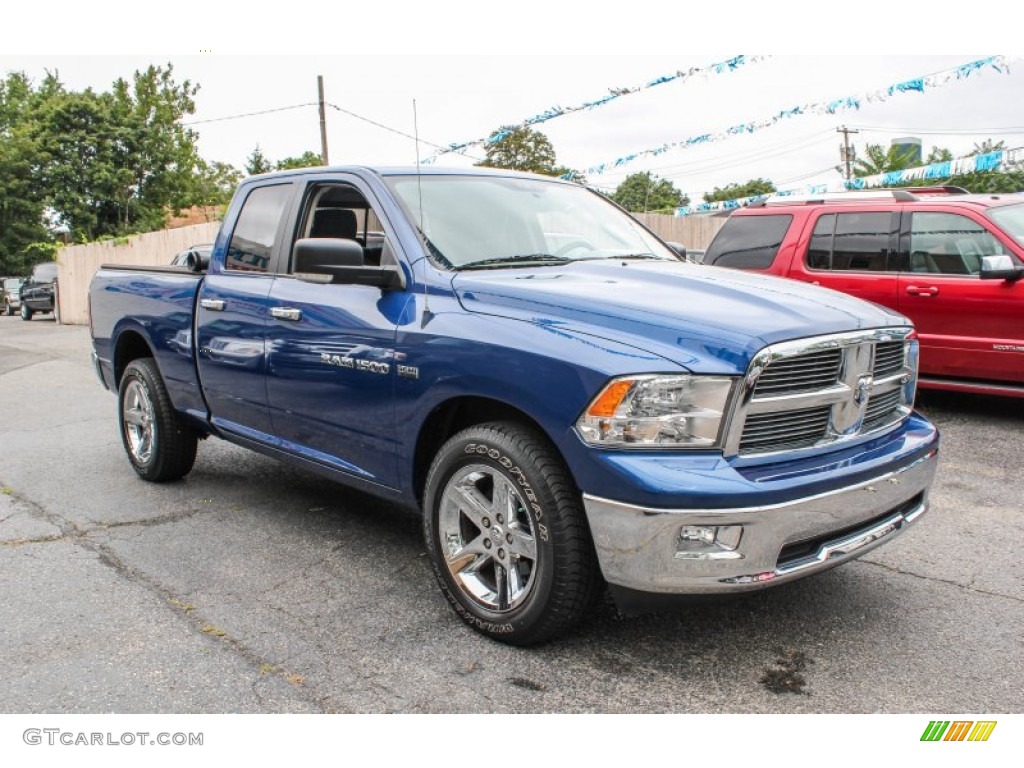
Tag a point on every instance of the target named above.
point(77, 264)
point(691, 231)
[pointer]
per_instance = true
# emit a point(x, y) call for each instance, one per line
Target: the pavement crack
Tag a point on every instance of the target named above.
point(37, 540)
point(185, 611)
point(67, 528)
point(147, 522)
point(968, 587)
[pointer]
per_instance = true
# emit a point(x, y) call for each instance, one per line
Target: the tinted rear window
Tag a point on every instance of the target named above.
point(748, 242)
point(44, 273)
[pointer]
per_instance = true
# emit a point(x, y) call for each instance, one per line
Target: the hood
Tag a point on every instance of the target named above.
point(706, 319)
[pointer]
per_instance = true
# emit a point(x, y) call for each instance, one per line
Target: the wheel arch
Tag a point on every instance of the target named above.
point(456, 414)
point(130, 345)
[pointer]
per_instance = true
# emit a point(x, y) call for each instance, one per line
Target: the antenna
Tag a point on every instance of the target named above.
point(419, 191)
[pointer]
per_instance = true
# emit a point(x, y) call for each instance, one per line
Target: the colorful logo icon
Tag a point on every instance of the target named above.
point(958, 730)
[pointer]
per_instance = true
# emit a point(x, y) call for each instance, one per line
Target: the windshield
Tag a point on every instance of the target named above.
point(1011, 219)
point(12, 283)
point(480, 222)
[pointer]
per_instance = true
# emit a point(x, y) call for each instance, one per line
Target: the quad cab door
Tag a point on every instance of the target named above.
point(968, 327)
point(331, 347)
point(231, 316)
point(851, 250)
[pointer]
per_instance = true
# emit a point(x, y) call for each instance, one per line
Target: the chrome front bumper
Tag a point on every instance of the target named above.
point(638, 546)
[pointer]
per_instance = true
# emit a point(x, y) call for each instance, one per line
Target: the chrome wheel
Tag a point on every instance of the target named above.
point(487, 538)
point(137, 413)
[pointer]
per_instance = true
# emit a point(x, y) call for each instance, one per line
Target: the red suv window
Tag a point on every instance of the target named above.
point(748, 242)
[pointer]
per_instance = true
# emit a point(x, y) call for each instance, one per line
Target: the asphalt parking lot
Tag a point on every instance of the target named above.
point(253, 587)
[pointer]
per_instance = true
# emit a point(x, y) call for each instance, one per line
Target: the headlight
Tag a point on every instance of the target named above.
point(681, 411)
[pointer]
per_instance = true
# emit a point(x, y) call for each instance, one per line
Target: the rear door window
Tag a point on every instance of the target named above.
point(855, 242)
point(748, 242)
point(252, 242)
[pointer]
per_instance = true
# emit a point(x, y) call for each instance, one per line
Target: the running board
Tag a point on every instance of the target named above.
point(966, 385)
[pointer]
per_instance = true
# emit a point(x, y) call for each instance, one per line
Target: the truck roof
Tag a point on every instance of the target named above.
point(406, 170)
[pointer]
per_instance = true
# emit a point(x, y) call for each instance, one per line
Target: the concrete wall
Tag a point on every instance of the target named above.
point(77, 264)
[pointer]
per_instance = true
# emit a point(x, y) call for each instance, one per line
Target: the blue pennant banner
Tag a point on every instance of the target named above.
point(721, 67)
point(991, 161)
point(916, 85)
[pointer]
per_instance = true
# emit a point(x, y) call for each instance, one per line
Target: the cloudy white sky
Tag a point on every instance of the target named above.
point(463, 92)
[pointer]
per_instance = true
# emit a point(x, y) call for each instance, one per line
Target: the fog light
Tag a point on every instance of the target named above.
point(709, 542)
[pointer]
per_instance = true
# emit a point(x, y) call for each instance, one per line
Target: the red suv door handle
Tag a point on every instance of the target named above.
point(915, 290)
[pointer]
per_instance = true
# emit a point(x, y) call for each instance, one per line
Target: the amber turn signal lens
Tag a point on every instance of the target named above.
point(609, 400)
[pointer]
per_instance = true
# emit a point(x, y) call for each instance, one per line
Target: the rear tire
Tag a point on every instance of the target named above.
point(26, 313)
point(160, 446)
point(507, 535)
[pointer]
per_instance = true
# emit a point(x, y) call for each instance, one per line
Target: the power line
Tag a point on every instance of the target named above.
point(395, 130)
point(716, 166)
point(739, 158)
point(810, 175)
point(250, 114)
point(952, 131)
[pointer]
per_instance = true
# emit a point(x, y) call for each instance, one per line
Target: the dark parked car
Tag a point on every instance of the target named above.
point(37, 294)
point(11, 299)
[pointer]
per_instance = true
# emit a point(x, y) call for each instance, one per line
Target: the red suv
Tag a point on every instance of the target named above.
point(950, 261)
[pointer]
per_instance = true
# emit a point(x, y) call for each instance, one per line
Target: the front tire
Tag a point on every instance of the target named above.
point(8, 309)
point(159, 445)
point(507, 534)
point(26, 313)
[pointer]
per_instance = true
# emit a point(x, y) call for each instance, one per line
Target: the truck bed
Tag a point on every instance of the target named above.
point(157, 304)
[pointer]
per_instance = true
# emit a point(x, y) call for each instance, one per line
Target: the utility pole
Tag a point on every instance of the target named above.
point(323, 121)
point(846, 151)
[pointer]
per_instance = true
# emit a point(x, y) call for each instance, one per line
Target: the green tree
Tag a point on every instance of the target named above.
point(986, 146)
point(938, 155)
point(215, 183)
point(95, 163)
point(877, 159)
point(644, 191)
point(524, 149)
point(736, 191)
point(119, 161)
point(307, 159)
point(257, 163)
point(22, 198)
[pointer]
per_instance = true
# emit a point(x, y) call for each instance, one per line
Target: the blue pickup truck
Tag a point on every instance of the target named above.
point(568, 403)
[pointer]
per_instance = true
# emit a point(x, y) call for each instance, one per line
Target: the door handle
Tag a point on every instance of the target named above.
point(286, 313)
point(915, 290)
point(214, 305)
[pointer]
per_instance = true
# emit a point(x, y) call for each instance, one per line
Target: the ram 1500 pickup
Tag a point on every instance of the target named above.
point(567, 402)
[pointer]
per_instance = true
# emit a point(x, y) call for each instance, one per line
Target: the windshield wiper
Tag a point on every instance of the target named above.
point(644, 255)
point(523, 259)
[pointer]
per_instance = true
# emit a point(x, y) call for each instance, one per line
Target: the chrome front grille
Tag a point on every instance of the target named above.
point(823, 390)
point(805, 373)
point(888, 358)
point(789, 429)
point(881, 409)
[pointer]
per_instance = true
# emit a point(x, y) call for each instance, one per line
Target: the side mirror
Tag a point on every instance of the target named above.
point(338, 260)
point(1000, 267)
point(197, 261)
point(679, 248)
